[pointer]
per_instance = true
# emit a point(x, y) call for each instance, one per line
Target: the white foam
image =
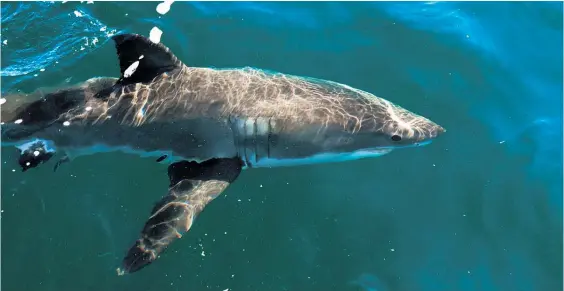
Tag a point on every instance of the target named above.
point(2, 101)
point(5, 42)
point(155, 35)
point(66, 123)
point(164, 7)
point(77, 13)
point(131, 69)
point(36, 153)
point(18, 121)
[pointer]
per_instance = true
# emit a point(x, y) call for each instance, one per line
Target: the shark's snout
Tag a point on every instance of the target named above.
point(404, 134)
point(427, 134)
point(434, 131)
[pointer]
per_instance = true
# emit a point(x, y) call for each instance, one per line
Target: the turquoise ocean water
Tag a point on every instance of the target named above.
point(479, 209)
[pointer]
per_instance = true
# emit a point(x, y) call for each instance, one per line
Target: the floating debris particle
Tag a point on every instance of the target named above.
point(164, 7)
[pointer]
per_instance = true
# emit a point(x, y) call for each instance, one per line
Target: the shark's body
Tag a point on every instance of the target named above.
point(268, 119)
point(211, 123)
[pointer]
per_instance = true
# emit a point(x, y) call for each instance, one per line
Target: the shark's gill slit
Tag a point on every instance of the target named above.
point(269, 134)
point(255, 139)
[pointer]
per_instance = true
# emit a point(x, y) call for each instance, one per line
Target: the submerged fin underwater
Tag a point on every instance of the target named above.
point(348, 146)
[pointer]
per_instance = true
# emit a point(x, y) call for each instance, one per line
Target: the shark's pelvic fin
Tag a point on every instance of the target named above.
point(141, 60)
point(64, 159)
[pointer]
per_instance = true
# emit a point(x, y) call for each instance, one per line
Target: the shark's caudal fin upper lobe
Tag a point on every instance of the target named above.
point(141, 60)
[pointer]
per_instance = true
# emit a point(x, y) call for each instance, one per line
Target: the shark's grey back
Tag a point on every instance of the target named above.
point(289, 100)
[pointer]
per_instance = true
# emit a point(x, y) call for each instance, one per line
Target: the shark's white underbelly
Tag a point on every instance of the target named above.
point(317, 159)
point(261, 163)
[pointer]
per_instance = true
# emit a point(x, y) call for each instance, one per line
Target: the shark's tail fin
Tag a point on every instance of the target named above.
point(141, 60)
point(22, 114)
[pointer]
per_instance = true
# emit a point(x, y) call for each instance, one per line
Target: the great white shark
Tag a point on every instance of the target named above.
point(210, 123)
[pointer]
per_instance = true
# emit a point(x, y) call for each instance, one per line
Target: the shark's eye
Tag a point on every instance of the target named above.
point(396, 137)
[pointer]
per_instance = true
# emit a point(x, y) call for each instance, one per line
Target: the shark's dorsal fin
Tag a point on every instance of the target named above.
point(152, 58)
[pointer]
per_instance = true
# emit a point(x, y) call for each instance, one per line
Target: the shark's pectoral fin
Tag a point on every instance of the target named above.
point(192, 186)
point(141, 60)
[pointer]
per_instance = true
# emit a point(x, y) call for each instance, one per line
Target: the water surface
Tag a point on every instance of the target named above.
point(479, 209)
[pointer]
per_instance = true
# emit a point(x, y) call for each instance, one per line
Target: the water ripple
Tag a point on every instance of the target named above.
point(76, 34)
